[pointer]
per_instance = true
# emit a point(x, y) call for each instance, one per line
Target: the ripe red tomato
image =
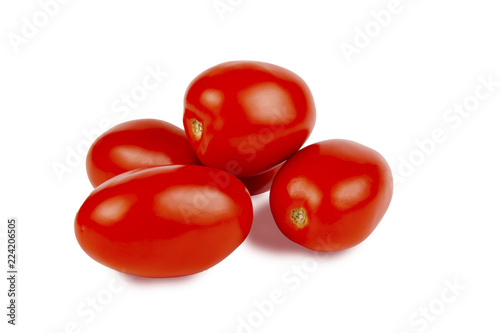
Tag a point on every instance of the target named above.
point(260, 183)
point(165, 221)
point(137, 144)
point(246, 117)
point(331, 195)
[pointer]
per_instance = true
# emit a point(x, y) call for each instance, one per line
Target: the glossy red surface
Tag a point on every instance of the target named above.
point(137, 144)
point(165, 221)
point(246, 117)
point(331, 195)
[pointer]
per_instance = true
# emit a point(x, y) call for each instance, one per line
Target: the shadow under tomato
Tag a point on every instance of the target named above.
point(266, 235)
point(140, 280)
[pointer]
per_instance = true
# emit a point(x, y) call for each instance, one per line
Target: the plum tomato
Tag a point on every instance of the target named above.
point(260, 183)
point(331, 195)
point(246, 117)
point(165, 221)
point(137, 144)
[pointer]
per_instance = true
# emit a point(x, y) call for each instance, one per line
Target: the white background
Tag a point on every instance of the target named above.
point(443, 224)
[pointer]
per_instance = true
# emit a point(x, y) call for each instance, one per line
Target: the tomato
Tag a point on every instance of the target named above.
point(260, 183)
point(247, 117)
point(137, 144)
point(165, 221)
point(331, 195)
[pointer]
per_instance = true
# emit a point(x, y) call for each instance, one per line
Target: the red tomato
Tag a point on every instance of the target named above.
point(165, 221)
point(260, 183)
point(247, 117)
point(137, 144)
point(331, 195)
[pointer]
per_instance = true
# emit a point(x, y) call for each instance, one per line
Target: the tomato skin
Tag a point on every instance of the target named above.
point(247, 117)
point(260, 183)
point(165, 221)
point(331, 195)
point(137, 144)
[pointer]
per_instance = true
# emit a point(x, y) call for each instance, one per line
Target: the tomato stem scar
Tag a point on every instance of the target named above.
point(197, 128)
point(299, 217)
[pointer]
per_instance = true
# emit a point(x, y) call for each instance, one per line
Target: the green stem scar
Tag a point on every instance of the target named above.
point(197, 128)
point(299, 217)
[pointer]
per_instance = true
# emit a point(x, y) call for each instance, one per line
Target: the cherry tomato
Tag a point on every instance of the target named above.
point(247, 117)
point(137, 144)
point(260, 183)
point(331, 195)
point(165, 221)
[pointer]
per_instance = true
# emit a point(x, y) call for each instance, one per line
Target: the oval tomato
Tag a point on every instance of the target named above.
point(247, 117)
point(137, 144)
point(331, 195)
point(260, 183)
point(165, 221)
